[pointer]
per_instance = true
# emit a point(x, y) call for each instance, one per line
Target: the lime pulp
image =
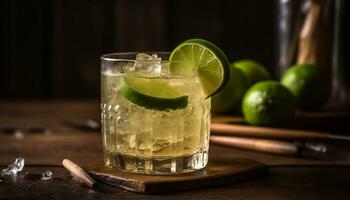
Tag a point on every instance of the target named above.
point(152, 93)
point(206, 60)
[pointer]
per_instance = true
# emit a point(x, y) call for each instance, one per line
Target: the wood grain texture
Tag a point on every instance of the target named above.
point(265, 132)
point(325, 121)
point(84, 146)
point(298, 178)
point(261, 145)
point(312, 183)
point(219, 171)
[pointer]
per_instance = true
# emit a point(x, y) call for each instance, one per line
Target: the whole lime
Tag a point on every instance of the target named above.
point(268, 103)
point(309, 84)
point(254, 71)
point(229, 99)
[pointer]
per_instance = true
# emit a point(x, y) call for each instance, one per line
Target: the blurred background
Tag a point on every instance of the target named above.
point(50, 48)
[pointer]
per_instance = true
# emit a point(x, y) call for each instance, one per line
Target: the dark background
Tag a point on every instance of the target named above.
point(51, 49)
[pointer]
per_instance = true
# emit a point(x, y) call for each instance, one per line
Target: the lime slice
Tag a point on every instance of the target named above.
point(151, 93)
point(206, 60)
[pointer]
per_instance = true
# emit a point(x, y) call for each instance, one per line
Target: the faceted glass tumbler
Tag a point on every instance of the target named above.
point(143, 140)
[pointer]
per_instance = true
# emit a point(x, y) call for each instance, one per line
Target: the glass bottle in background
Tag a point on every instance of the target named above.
point(310, 31)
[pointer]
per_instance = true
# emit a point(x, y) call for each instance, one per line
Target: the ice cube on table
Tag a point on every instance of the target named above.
point(46, 176)
point(14, 168)
point(148, 65)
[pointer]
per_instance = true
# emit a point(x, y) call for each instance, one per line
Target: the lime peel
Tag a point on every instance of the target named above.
point(152, 93)
point(206, 59)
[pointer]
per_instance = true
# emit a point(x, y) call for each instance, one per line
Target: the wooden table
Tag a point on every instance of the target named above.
point(289, 178)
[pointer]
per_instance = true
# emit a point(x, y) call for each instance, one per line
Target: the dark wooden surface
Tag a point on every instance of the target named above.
point(289, 178)
point(281, 183)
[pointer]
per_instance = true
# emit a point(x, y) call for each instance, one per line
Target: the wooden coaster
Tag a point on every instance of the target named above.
point(220, 170)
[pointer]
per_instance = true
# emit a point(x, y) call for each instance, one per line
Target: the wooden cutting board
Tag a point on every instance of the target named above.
point(219, 171)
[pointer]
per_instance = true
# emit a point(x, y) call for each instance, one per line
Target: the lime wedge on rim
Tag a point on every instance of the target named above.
point(151, 93)
point(206, 60)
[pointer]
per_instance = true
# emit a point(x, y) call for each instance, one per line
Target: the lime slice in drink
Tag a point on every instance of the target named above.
point(206, 60)
point(151, 93)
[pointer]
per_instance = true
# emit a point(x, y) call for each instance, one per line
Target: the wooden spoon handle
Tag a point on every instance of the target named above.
point(261, 145)
point(277, 133)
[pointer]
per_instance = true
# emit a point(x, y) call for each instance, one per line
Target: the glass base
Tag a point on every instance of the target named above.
point(173, 165)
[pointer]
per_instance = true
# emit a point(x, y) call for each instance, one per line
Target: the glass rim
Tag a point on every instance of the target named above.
point(109, 56)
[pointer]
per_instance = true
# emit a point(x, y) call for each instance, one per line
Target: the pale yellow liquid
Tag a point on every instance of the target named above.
point(135, 131)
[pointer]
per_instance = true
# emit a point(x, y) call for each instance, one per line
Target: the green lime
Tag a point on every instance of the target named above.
point(206, 60)
point(268, 103)
point(151, 93)
point(254, 71)
point(229, 99)
point(308, 84)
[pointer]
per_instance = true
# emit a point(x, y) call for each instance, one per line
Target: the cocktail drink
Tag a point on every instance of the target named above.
point(155, 117)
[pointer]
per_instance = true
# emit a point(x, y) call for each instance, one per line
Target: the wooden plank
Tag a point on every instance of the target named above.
point(187, 21)
point(78, 40)
point(140, 26)
point(24, 49)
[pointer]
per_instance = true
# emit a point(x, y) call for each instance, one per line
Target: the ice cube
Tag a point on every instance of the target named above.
point(129, 140)
point(144, 57)
point(165, 70)
point(148, 65)
point(46, 176)
point(14, 168)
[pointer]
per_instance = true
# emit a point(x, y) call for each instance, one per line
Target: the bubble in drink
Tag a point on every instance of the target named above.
point(14, 168)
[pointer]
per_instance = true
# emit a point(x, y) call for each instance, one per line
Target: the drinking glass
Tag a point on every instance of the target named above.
point(152, 140)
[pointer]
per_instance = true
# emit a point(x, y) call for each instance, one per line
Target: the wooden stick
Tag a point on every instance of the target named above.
point(79, 173)
point(261, 145)
point(276, 133)
point(227, 119)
